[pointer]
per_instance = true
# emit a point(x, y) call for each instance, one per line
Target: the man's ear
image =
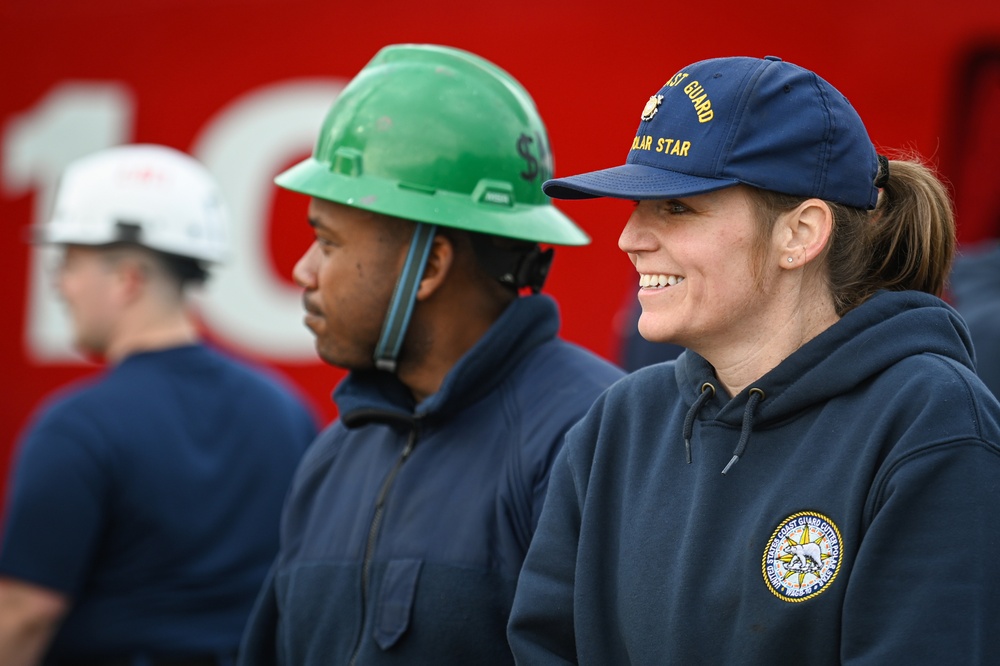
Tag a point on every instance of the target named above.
point(131, 278)
point(440, 263)
point(802, 234)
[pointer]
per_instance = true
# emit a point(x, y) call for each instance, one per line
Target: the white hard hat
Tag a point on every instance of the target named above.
point(150, 195)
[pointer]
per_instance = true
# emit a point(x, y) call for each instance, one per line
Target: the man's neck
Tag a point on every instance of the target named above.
point(177, 331)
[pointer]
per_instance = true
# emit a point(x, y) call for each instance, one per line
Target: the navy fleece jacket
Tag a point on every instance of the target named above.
point(407, 524)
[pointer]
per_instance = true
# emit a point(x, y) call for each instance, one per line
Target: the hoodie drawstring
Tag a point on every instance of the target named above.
point(707, 391)
point(756, 395)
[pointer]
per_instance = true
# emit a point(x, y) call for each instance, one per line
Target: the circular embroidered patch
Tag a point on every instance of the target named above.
point(803, 557)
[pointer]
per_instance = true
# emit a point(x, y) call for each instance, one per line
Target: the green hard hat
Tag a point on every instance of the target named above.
point(437, 135)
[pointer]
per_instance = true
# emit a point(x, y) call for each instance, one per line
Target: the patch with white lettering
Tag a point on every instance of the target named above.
point(802, 557)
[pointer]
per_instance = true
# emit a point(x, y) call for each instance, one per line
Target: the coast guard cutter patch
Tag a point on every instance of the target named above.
point(803, 557)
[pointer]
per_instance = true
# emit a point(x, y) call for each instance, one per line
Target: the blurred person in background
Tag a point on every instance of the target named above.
point(144, 502)
point(975, 291)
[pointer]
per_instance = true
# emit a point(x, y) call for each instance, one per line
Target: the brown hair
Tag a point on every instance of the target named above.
point(906, 242)
point(182, 272)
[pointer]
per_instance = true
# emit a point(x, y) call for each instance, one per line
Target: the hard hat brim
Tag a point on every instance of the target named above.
point(541, 224)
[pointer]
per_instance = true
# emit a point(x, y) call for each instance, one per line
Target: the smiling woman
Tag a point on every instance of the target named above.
point(711, 288)
point(801, 271)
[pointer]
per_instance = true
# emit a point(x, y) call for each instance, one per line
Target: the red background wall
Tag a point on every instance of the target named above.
point(924, 76)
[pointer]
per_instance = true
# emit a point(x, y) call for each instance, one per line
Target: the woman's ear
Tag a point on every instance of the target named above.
point(803, 233)
point(440, 263)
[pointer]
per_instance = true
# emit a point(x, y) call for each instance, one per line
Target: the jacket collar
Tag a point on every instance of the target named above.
point(369, 396)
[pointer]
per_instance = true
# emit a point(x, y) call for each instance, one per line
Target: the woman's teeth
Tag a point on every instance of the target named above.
point(659, 280)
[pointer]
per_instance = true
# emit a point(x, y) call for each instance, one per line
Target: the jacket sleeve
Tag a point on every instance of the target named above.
point(924, 588)
point(541, 623)
point(259, 646)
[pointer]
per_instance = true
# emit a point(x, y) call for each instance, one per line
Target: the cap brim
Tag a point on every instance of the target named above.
point(633, 182)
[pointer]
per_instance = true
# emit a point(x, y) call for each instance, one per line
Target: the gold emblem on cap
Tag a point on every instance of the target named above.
point(652, 106)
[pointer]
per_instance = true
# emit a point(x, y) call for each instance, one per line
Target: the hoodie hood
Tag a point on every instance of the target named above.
point(881, 332)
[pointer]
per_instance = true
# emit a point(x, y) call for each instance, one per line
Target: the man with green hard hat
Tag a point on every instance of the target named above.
point(408, 520)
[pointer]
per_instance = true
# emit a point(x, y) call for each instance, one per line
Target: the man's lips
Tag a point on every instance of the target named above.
point(310, 308)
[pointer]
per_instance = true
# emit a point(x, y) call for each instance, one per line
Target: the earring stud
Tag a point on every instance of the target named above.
point(790, 260)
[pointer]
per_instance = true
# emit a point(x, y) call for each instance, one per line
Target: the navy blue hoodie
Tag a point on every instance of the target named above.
point(860, 525)
point(407, 524)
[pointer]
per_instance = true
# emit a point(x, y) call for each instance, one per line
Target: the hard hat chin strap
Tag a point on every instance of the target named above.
point(397, 319)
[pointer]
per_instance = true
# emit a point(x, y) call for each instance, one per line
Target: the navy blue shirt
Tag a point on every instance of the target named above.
point(859, 525)
point(151, 497)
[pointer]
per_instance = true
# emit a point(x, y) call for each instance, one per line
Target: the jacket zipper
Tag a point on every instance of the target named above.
point(373, 532)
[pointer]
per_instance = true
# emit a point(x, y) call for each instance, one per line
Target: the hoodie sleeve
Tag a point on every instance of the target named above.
point(541, 623)
point(924, 588)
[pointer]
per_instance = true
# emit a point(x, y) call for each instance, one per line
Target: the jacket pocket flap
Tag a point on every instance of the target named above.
point(392, 616)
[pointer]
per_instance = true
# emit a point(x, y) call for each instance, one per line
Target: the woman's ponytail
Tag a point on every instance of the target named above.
point(911, 232)
point(906, 242)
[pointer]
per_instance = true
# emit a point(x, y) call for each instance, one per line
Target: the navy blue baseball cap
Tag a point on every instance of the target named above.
point(725, 121)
